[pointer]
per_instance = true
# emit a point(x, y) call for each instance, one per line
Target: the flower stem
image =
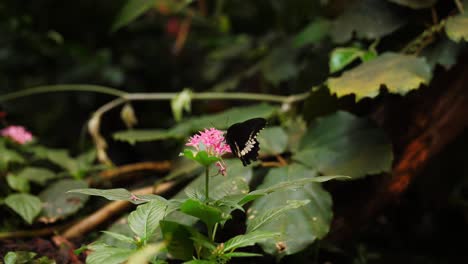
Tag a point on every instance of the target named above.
point(207, 183)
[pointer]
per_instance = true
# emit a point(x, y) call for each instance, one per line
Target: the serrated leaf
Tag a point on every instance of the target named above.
point(130, 11)
point(457, 26)
point(343, 144)
point(269, 215)
point(369, 19)
point(103, 253)
point(415, 4)
point(58, 204)
point(18, 184)
point(26, 205)
point(118, 194)
point(299, 227)
point(249, 239)
point(145, 219)
point(145, 254)
point(37, 175)
point(120, 237)
point(273, 140)
point(177, 238)
point(399, 73)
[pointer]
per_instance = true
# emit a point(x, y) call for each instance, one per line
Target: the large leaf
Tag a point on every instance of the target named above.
point(444, 52)
point(369, 19)
point(457, 26)
point(210, 215)
point(18, 184)
point(118, 194)
point(399, 73)
point(298, 227)
point(26, 205)
point(273, 140)
point(343, 144)
point(59, 204)
point(249, 239)
point(177, 238)
point(220, 121)
point(131, 10)
point(103, 253)
point(145, 219)
point(37, 175)
point(415, 4)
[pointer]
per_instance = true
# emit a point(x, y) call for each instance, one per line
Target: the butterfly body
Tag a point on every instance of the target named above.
point(242, 139)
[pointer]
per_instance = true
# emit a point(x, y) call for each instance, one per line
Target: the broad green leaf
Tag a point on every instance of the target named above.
point(26, 205)
point(8, 156)
point(141, 135)
point(249, 239)
point(343, 144)
point(37, 175)
point(457, 26)
point(177, 238)
point(19, 257)
point(444, 52)
point(298, 227)
point(118, 194)
point(120, 237)
point(201, 157)
point(415, 4)
point(399, 73)
point(145, 219)
point(273, 140)
point(103, 253)
point(269, 215)
point(18, 184)
point(220, 121)
point(342, 57)
point(145, 254)
point(314, 32)
point(131, 10)
point(369, 19)
point(210, 215)
point(182, 101)
point(58, 204)
point(121, 227)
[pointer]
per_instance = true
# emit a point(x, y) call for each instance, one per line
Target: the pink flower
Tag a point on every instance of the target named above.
point(214, 144)
point(17, 133)
point(212, 139)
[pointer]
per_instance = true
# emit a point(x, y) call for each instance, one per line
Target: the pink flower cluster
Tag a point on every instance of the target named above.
point(212, 139)
point(17, 133)
point(215, 145)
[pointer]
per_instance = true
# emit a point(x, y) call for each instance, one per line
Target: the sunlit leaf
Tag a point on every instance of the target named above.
point(343, 144)
point(118, 194)
point(180, 103)
point(399, 73)
point(103, 253)
point(298, 227)
point(59, 204)
point(145, 219)
point(26, 205)
point(457, 26)
point(145, 254)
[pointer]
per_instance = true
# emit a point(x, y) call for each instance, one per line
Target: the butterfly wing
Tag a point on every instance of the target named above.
point(242, 138)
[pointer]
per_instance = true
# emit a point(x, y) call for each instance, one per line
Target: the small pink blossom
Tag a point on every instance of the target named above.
point(17, 133)
point(212, 139)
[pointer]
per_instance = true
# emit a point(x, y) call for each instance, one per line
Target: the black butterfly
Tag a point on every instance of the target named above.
point(242, 138)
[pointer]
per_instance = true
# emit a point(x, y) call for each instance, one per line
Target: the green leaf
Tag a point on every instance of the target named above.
point(26, 205)
point(343, 144)
point(58, 204)
point(201, 157)
point(103, 253)
point(8, 156)
point(177, 238)
point(141, 135)
point(249, 239)
point(145, 254)
point(444, 52)
point(299, 227)
point(120, 227)
point(18, 184)
point(242, 255)
point(280, 63)
point(19, 257)
point(273, 140)
point(399, 73)
point(37, 175)
point(210, 215)
point(369, 19)
point(269, 215)
point(118, 194)
point(314, 32)
point(342, 57)
point(182, 101)
point(145, 219)
point(457, 26)
point(120, 237)
point(415, 4)
point(130, 11)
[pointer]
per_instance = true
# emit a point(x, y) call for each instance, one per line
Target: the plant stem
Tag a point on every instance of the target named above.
point(207, 183)
point(213, 235)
